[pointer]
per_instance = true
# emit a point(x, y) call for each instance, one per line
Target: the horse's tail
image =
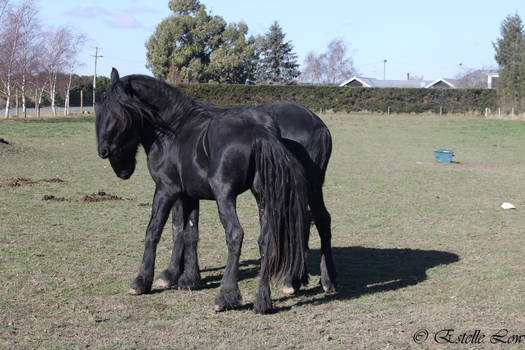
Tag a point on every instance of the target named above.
point(282, 192)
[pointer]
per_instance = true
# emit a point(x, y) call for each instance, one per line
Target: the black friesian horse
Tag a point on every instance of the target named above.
point(305, 134)
point(195, 152)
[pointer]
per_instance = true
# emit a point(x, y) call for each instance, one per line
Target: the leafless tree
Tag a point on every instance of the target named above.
point(72, 63)
point(473, 78)
point(331, 67)
point(56, 46)
point(4, 5)
point(32, 59)
point(9, 46)
point(29, 59)
point(39, 83)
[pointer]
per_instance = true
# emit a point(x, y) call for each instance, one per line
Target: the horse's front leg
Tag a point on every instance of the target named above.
point(183, 269)
point(169, 277)
point(162, 203)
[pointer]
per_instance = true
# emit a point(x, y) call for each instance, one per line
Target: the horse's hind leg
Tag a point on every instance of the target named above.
point(229, 295)
point(191, 278)
point(323, 222)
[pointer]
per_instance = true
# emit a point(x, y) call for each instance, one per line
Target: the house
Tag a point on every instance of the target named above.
point(492, 80)
point(442, 83)
point(421, 84)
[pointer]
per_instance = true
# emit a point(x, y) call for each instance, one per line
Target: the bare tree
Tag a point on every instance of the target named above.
point(473, 78)
point(9, 45)
point(331, 67)
point(38, 83)
point(4, 5)
point(56, 46)
point(72, 63)
point(29, 63)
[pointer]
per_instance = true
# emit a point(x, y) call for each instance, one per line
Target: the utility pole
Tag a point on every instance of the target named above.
point(384, 69)
point(95, 75)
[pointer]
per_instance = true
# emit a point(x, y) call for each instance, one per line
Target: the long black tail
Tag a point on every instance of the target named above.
point(283, 193)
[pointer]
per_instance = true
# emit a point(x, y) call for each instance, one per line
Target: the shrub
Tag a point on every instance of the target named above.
point(322, 98)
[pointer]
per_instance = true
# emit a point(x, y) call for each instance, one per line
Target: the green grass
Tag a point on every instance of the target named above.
point(417, 244)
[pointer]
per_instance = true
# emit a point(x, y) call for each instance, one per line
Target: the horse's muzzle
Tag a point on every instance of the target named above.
point(103, 152)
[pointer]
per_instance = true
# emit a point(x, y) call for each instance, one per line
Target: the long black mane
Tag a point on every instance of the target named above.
point(153, 103)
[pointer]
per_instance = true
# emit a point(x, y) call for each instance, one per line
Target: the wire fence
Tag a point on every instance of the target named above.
point(79, 103)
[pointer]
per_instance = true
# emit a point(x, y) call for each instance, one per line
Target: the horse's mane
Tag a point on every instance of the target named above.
point(139, 100)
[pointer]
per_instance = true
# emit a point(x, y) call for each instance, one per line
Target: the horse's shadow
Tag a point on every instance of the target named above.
point(360, 271)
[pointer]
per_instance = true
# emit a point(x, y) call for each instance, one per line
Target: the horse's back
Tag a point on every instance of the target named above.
point(299, 124)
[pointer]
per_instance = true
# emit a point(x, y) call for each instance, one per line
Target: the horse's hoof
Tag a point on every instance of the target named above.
point(288, 290)
point(139, 286)
point(262, 305)
point(188, 287)
point(329, 289)
point(228, 300)
point(189, 283)
point(132, 291)
point(162, 284)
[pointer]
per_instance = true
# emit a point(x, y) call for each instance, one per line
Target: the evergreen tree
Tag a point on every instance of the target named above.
point(510, 56)
point(234, 61)
point(277, 62)
point(193, 46)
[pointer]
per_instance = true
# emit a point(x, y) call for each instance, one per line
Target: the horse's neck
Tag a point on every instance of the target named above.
point(171, 105)
point(174, 111)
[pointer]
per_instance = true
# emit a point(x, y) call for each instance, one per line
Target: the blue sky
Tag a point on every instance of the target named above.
point(424, 38)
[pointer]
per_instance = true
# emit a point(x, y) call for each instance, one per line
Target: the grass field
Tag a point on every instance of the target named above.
point(418, 245)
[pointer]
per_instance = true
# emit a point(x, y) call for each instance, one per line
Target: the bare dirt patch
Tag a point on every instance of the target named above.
point(17, 182)
point(101, 196)
point(50, 197)
point(20, 181)
point(53, 180)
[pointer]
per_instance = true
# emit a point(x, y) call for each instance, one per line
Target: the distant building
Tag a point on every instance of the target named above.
point(421, 84)
point(492, 80)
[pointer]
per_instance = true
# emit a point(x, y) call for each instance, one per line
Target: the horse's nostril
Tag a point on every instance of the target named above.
point(103, 153)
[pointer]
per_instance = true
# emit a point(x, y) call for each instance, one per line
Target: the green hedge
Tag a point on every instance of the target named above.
point(323, 98)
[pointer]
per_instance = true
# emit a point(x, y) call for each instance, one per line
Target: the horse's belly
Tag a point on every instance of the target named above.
point(199, 189)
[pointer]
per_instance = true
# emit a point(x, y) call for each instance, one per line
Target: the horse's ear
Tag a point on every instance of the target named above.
point(114, 76)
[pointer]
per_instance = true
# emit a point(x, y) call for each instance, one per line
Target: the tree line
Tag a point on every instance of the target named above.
point(35, 60)
point(193, 46)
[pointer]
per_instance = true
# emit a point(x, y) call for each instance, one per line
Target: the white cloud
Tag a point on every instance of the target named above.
point(91, 11)
point(125, 18)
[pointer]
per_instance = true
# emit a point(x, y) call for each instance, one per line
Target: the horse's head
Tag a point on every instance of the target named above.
point(118, 132)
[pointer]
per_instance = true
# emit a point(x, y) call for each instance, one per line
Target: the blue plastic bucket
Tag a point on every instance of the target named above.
point(444, 155)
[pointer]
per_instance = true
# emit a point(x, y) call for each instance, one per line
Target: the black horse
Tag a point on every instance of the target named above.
point(207, 153)
point(305, 134)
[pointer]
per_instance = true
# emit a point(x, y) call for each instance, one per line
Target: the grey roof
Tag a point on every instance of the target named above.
point(372, 82)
